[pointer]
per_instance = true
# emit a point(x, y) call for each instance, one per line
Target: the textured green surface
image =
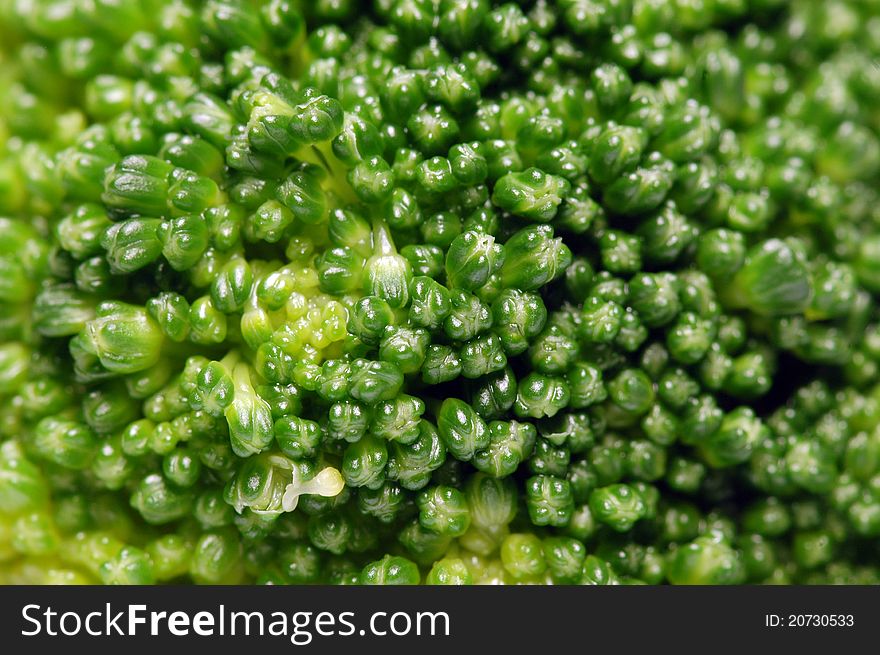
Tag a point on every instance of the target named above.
point(439, 291)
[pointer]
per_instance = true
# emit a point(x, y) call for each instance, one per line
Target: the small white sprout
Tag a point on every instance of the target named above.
point(328, 483)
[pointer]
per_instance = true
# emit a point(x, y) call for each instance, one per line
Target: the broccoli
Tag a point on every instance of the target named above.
point(439, 292)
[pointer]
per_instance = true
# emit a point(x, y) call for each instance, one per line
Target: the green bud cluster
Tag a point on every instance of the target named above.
point(439, 291)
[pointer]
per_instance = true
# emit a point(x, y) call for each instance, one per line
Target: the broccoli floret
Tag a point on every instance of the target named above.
point(458, 292)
